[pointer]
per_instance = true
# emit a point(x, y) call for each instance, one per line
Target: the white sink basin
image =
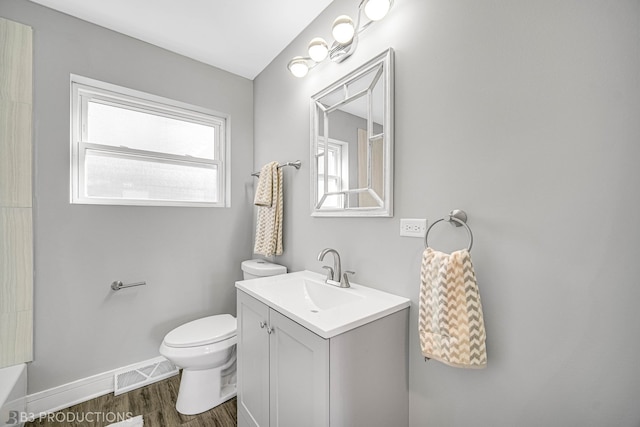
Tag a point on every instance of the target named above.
point(324, 309)
point(308, 293)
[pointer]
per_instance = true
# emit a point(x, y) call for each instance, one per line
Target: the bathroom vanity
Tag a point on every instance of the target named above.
point(313, 355)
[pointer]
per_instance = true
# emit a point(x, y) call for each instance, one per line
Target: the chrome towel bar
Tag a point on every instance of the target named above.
point(117, 285)
point(295, 164)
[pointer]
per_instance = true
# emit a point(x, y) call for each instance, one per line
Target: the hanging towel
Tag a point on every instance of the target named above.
point(264, 191)
point(450, 323)
point(268, 198)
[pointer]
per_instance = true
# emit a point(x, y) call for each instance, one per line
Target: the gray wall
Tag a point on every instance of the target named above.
point(524, 114)
point(190, 257)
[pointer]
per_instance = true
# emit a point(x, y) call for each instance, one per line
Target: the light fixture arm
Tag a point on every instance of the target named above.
point(339, 52)
point(360, 11)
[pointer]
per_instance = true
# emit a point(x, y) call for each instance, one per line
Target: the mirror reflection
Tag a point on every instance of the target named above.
point(352, 143)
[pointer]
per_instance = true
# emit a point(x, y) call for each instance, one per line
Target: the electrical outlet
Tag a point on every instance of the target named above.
point(413, 227)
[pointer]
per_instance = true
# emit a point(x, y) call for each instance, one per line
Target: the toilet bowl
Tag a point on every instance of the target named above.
point(205, 349)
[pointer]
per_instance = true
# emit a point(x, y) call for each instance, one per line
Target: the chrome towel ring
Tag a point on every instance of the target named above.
point(457, 218)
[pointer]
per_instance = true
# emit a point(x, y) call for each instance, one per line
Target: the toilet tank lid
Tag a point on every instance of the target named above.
point(260, 267)
point(207, 330)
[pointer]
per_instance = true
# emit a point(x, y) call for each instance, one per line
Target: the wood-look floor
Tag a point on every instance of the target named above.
point(155, 402)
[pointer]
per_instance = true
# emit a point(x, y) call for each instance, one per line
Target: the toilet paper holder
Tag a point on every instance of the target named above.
point(117, 285)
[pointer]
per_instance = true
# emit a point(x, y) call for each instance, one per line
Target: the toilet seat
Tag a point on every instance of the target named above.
point(200, 332)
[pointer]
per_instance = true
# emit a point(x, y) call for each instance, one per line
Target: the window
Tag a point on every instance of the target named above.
point(133, 148)
point(337, 173)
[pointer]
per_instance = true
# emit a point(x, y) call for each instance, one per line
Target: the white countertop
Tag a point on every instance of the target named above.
point(324, 309)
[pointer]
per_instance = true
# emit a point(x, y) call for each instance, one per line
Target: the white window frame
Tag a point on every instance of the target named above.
point(84, 89)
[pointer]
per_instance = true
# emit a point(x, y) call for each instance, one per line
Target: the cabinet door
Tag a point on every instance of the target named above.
point(299, 387)
point(253, 362)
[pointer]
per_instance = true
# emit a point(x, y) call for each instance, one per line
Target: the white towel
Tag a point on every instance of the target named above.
point(268, 198)
point(450, 322)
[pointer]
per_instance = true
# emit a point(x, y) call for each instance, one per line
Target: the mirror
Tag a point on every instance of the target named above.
point(352, 143)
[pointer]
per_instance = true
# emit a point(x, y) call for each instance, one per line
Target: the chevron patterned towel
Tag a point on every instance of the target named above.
point(269, 201)
point(451, 324)
point(264, 190)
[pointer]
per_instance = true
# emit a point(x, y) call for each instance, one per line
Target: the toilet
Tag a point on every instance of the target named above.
point(205, 349)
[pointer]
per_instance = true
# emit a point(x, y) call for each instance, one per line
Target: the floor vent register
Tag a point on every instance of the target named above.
point(140, 376)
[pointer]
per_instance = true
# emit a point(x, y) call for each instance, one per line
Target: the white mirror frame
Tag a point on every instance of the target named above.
point(385, 208)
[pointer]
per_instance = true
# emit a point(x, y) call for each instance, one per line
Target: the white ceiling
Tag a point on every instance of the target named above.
point(240, 36)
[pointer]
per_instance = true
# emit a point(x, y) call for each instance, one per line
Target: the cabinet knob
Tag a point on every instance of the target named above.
point(263, 324)
point(270, 331)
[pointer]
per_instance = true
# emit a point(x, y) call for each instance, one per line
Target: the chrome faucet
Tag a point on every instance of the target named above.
point(335, 272)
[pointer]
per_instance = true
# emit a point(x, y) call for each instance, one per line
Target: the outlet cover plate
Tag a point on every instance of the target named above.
point(413, 227)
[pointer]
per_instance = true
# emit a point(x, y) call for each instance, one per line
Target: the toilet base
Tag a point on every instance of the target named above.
point(200, 390)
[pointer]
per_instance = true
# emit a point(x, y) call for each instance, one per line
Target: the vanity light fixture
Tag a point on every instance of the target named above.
point(377, 9)
point(318, 49)
point(298, 66)
point(345, 32)
point(343, 29)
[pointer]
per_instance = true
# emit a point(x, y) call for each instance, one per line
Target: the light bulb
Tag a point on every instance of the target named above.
point(376, 9)
point(343, 29)
point(318, 49)
point(298, 66)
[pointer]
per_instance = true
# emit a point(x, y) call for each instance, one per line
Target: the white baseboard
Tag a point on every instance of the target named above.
point(66, 395)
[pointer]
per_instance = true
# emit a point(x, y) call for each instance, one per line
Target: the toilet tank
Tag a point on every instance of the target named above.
point(254, 268)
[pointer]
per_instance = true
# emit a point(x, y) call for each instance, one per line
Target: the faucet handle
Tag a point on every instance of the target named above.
point(329, 272)
point(344, 283)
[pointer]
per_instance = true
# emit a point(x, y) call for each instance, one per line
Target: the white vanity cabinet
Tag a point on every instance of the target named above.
point(288, 376)
point(252, 362)
point(283, 369)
